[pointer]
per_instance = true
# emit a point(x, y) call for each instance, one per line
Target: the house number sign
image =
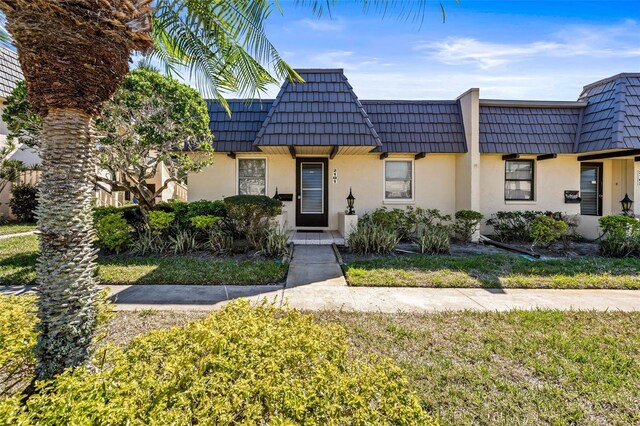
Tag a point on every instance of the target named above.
point(334, 175)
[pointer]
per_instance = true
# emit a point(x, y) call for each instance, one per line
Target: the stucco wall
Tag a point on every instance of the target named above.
point(434, 185)
point(468, 164)
point(552, 178)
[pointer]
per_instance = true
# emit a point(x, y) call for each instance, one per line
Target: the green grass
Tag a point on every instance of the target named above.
point(494, 271)
point(16, 228)
point(18, 258)
point(517, 367)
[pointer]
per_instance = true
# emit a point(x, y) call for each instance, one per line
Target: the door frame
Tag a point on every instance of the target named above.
point(600, 188)
point(312, 220)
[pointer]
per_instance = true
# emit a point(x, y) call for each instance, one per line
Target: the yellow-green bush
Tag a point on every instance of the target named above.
point(243, 365)
point(17, 338)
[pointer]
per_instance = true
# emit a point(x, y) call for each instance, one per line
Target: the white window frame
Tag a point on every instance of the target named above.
point(266, 173)
point(384, 181)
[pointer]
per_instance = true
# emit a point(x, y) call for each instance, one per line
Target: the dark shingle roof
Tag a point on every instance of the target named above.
point(528, 130)
point(612, 116)
point(320, 112)
point(10, 71)
point(238, 132)
point(417, 126)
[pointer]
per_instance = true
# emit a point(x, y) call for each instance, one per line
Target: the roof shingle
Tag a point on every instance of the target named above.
point(528, 130)
point(417, 126)
point(10, 71)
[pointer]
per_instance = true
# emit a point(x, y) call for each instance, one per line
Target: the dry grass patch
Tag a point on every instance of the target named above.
point(518, 367)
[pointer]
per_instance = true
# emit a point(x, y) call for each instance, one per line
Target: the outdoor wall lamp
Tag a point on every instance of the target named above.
point(350, 201)
point(626, 205)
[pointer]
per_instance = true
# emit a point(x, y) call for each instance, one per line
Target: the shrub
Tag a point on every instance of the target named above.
point(398, 219)
point(433, 239)
point(184, 212)
point(617, 223)
point(207, 208)
point(233, 367)
point(148, 242)
point(160, 221)
point(131, 213)
point(466, 224)
point(406, 222)
point(251, 216)
point(219, 241)
point(204, 222)
point(17, 338)
point(24, 201)
point(513, 225)
point(275, 244)
point(184, 241)
point(621, 236)
point(373, 238)
point(114, 233)
point(545, 230)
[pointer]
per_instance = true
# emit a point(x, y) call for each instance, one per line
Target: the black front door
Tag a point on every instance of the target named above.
point(591, 189)
point(312, 200)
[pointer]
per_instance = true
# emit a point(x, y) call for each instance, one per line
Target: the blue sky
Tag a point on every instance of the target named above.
point(509, 49)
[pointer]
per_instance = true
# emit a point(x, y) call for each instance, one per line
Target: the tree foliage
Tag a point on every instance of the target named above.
point(152, 121)
point(23, 124)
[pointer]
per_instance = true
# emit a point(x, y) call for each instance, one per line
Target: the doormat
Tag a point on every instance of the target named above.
point(311, 231)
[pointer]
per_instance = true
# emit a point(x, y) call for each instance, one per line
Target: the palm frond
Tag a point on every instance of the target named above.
point(222, 45)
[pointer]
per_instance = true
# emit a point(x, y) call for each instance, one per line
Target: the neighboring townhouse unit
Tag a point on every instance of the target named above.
point(317, 141)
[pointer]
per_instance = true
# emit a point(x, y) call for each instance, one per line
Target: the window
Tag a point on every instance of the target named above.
point(252, 176)
point(518, 180)
point(398, 180)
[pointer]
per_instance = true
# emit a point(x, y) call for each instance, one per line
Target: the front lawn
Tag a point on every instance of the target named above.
point(494, 271)
point(517, 367)
point(18, 258)
point(16, 228)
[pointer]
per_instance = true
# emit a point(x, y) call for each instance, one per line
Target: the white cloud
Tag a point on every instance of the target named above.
point(346, 59)
point(324, 25)
point(618, 41)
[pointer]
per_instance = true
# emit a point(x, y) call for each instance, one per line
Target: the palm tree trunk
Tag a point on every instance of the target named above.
point(66, 266)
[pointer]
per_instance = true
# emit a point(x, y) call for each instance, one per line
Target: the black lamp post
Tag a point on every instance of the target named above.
point(350, 200)
point(626, 205)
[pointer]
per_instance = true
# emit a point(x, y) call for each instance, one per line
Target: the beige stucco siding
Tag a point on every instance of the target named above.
point(434, 182)
point(551, 179)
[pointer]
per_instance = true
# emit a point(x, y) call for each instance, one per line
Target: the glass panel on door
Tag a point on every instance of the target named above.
point(590, 189)
point(311, 184)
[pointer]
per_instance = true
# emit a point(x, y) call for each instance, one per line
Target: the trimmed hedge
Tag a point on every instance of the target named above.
point(233, 367)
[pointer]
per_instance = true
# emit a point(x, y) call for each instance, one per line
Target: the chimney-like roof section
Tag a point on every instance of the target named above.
point(322, 111)
point(612, 116)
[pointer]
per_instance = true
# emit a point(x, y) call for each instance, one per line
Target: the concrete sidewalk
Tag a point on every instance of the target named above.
point(332, 296)
point(19, 234)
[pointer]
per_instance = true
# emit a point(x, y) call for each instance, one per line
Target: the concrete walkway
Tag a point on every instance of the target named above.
point(19, 234)
point(314, 265)
point(332, 296)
